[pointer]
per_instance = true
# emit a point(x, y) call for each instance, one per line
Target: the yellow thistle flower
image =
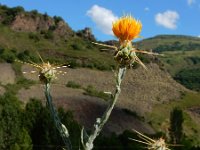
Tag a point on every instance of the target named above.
point(126, 28)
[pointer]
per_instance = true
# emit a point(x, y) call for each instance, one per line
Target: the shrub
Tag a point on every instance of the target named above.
point(34, 37)
point(48, 35)
point(34, 14)
point(26, 83)
point(52, 28)
point(74, 63)
point(77, 46)
point(57, 19)
point(10, 13)
point(73, 84)
point(26, 55)
point(8, 55)
point(45, 16)
point(90, 90)
point(189, 78)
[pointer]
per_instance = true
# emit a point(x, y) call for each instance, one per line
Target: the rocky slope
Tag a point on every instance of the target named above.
point(141, 90)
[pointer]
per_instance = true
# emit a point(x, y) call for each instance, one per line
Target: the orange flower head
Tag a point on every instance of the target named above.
point(126, 28)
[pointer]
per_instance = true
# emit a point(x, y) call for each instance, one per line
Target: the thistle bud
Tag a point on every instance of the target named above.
point(47, 73)
point(125, 56)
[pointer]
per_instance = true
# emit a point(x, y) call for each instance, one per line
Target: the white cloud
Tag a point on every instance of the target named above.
point(198, 36)
point(103, 18)
point(190, 2)
point(146, 9)
point(167, 19)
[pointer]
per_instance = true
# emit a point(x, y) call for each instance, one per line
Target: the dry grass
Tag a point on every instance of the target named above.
point(141, 90)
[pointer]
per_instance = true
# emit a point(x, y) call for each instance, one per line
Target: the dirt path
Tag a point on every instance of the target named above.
point(7, 75)
point(2, 90)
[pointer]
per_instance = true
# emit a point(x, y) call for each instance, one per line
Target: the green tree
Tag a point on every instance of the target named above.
point(12, 134)
point(44, 134)
point(189, 78)
point(40, 126)
point(74, 128)
point(176, 129)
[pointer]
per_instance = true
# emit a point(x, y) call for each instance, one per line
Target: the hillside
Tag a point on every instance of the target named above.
point(181, 57)
point(22, 33)
point(141, 91)
point(163, 43)
point(145, 93)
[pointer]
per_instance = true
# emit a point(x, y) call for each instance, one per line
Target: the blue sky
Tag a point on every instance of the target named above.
point(157, 16)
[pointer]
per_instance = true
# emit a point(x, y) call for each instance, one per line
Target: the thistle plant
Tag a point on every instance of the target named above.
point(152, 144)
point(125, 29)
point(47, 73)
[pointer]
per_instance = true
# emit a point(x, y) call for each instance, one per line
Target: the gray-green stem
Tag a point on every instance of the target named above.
point(61, 128)
point(88, 141)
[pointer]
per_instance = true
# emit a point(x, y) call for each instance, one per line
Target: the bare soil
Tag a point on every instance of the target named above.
point(2, 90)
point(141, 90)
point(86, 108)
point(7, 74)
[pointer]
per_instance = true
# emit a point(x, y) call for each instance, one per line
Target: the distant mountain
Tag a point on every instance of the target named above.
point(182, 56)
point(163, 43)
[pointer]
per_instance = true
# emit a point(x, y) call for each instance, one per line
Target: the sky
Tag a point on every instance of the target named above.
point(157, 16)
